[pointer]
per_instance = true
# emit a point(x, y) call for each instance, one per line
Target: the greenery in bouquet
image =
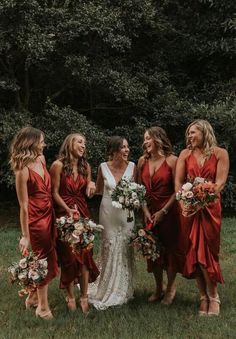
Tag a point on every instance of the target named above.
point(128, 195)
point(197, 192)
point(79, 233)
point(146, 243)
point(28, 272)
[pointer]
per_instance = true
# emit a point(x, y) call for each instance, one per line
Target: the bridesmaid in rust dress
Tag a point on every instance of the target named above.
point(33, 187)
point(156, 171)
point(71, 185)
point(203, 158)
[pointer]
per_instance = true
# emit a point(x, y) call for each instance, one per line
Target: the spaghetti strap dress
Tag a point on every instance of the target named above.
point(73, 192)
point(205, 226)
point(41, 221)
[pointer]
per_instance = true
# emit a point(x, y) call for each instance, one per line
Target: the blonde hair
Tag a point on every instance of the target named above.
point(161, 141)
point(66, 157)
point(24, 147)
point(209, 139)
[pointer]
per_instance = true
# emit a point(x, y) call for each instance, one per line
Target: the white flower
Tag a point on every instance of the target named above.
point(116, 204)
point(189, 194)
point(136, 203)
point(70, 220)
point(134, 195)
point(61, 220)
point(187, 186)
point(22, 275)
point(133, 186)
point(178, 196)
point(141, 232)
point(33, 275)
point(199, 180)
point(23, 263)
point(43, 263)
point(121, 200)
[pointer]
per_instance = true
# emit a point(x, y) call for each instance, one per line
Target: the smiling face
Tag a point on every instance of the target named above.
point(149, 143)
point(123, 153)
point(195, 137)
point(78, 147)
point(41, 145)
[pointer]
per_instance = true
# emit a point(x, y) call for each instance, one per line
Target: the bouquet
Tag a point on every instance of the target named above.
point(147, 243)
point(78, 233)
point(197, 193)
point(128, 195)
point(28, 272)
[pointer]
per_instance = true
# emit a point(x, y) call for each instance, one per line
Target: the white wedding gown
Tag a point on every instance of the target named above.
point(115, 283)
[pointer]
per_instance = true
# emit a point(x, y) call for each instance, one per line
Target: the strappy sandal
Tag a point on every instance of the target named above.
point(215, 300)
point(46, 315)
point(204, 299)
point(169, 297)
point(71, 304)
point(84, 305)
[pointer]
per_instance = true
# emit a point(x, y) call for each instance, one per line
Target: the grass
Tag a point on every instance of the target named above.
point(137, 319)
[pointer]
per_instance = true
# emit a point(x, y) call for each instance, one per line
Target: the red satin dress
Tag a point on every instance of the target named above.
point(159, 189)
point(41, 221)
point(205, 226)
point(73, 192)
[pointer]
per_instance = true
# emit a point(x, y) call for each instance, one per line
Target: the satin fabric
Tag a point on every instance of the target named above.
point(73, 193)
point(41, 221)
point(204, 226)
point(159, 189)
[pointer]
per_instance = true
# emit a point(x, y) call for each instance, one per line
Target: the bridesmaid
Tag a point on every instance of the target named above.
point(156, 171)
point(71, 185)
point(203, 158)
point(33, 187)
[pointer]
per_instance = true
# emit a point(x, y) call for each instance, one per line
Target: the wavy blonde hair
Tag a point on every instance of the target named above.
point(161, 141)
point(209, 139)
point(24, 147)
point(66, 157)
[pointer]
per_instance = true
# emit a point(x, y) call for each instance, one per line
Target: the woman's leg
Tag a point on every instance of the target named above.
point(170, 289)
point(84, 289)
point(43, 310)
point(158, 275)
point(70, 299)
point(214, 301)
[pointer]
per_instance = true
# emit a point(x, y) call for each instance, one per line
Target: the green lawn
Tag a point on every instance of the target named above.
point(137, 319)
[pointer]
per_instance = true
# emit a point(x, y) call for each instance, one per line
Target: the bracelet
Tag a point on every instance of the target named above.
point(165, 211)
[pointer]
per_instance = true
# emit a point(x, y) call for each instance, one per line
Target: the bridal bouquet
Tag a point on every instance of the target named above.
point(28, 272)
point(128, 195)
point(197, 193)
point(78, 233)
point(147, 244)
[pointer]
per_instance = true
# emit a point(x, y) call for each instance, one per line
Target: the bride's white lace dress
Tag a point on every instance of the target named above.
point(115, 283)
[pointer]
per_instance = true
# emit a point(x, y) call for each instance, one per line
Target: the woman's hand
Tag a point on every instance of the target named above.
point(147, 217)
point(157, 217)
point(24, 245)
point(90, 189)
point(188, 211)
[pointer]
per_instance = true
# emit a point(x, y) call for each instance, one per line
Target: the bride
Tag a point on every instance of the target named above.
point(115, 284)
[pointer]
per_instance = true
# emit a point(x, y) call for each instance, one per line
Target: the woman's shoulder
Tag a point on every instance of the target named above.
point(185, 153)
point(171, 160)
point(141, 161)
point(57, 165)
point(220, 152)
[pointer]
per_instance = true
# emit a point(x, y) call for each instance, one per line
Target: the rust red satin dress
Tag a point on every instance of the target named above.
point(41, 221)
point(159, 189)
point(73, 193)
point(205, 225)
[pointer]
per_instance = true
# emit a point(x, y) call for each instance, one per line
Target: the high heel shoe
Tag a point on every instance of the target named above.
point(215, 301)
point(45, 315)
point(169, 297)
point(204, 304)
point(84, 305)
point(71, 304)
point(30, 303)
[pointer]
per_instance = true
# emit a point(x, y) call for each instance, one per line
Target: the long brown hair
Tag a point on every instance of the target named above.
point(24, 147)
point(161, 141)
point(66, 157)
point(209, 139)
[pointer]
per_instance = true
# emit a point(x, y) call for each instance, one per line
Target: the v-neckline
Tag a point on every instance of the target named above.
point(43, 178)
point(205, 161)
point(113, 175)
point(151, 177)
